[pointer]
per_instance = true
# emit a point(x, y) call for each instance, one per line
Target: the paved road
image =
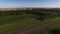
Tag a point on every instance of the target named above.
point(35, 28)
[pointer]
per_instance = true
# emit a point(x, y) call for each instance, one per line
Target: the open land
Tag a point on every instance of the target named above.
point(33, 21)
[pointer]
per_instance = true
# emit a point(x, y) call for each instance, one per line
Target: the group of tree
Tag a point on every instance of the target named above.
point(42, 13)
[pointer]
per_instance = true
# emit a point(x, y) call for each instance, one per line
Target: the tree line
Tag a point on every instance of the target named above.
point(42, 13)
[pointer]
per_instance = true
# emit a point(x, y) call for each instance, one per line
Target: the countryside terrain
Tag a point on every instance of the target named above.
point(35, 21)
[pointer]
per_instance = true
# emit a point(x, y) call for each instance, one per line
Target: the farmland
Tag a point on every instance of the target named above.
point(28, 21)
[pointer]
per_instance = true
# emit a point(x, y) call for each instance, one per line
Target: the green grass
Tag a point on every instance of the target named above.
point(54, 18)
point(12, 18)
point(18, 25)
point(46, 31)
point(7, 19)
point(26, 20)
point(13, 22)
point(55, 26)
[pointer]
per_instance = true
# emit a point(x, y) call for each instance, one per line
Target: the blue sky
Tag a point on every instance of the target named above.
point(29, 3)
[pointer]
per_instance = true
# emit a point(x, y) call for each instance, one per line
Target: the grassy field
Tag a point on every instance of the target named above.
point(55, 26)
point(26, 19)
point(48, 29)
point(11, 23)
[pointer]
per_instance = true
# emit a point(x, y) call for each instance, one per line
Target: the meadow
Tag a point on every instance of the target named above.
point(26, 19)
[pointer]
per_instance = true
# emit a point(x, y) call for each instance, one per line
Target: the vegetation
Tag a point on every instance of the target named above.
point(20, 19)
point(40, 14)
point(54, 29)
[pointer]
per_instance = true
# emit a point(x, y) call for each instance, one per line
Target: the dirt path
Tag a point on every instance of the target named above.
point(36, 28)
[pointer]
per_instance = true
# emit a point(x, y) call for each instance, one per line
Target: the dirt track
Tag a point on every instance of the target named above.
point(36, 28)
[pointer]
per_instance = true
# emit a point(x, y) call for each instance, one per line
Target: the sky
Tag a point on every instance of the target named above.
point(29, 3)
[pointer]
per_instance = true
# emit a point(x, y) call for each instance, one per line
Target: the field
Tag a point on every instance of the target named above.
point(54, 29)
point(36, 21)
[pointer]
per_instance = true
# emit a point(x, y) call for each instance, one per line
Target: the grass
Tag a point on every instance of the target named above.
point(46, 31)
point(13, 22)
point(18, 25)
point(55, 26)
point(7, 19)
point(54, 18)
point(28, 21)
